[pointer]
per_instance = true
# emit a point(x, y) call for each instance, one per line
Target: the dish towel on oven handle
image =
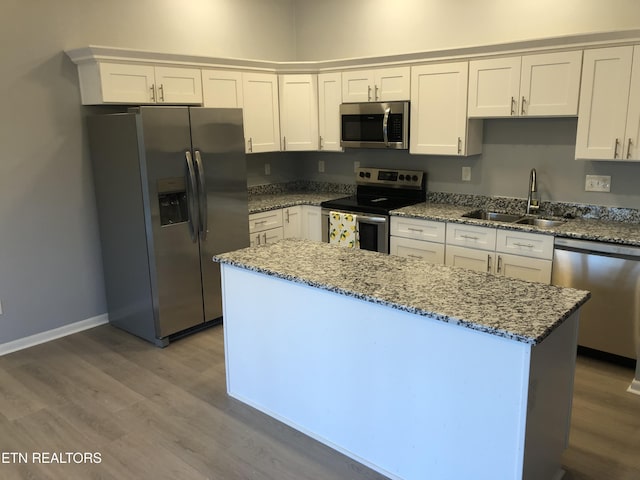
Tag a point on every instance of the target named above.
point(343, 229)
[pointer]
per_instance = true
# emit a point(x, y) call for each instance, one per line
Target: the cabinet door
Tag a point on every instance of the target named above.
point(550, 84)
point(494, 87)
point(408, 247)
point(524, 268)
point(439, 108)
point(292, 222)
point(123, 83)
point(392, 84)
point(299, 112)
point(606, 76)
point(178, 85)
point(357, 86)
point(259, 222)
point(221, 88)
point(329, 100)
point(312, 223)
point(632, 135)
point(479, 260)
point(261, 116)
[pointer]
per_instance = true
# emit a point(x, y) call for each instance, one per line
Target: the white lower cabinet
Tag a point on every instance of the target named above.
point(509, 253)
point(312, 223)
point(417, 238)
point(265, 227)
point(292, 222)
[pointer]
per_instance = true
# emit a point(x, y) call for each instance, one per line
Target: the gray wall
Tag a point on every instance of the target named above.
point(511, 147)
point(50, 267)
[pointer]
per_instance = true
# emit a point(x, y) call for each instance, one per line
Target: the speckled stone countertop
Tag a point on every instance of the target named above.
point(266, 202)
point(624, 233)
point(518, 310)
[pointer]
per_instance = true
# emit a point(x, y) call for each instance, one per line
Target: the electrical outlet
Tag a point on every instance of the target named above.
point(267, 169)
point(466, 174)
point(597, 183)
point(321, 166)
point(356, 166)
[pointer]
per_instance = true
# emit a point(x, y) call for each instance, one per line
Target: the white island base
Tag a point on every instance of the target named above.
point(410, 396)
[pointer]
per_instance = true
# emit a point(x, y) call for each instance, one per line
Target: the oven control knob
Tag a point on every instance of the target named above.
point(401, 177)
point(414, 178)
point(368, 174)
point(362, 174)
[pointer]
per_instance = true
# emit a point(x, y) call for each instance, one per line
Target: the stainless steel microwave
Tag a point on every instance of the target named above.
point(375, 125)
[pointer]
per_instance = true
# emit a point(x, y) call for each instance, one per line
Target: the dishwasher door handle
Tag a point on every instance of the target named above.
point(604, 248)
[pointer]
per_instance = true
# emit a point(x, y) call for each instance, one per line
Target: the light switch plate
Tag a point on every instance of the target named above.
point(321, 166)
point(466, 174)
point(356, 166)
point(267, 169)
point(597, 183)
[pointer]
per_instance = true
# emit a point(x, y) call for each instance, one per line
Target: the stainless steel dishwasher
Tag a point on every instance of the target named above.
point(610, 321)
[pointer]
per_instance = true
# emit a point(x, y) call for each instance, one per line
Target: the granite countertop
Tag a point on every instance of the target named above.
point(623, 233)
point(518, 310)
point(274, 201)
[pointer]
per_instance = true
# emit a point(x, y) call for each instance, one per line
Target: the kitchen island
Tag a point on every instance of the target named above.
point(416, 370)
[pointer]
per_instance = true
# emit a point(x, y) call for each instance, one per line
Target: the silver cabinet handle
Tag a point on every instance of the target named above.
point(376, 93)
point(459, 145)
point(153, 93)
point(522, 106)
point(385, 126)
point(615, 148)
point(413, 256)
point(418, 230)
point(284, 144)
point(191, 198)
point(287, 212)
point(368, 93)
point(629, 149)
point(260, 222)
point(265, 237)
point(161, 91)
point(499, 266)
point(469, 237)
point(513, 106)
point(250, 145)
point(528, 245)
point(202, 195)
point(320, 143)
point(488, 263)
point(258, 239)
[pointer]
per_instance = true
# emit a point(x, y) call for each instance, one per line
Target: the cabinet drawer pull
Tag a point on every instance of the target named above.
point(615, 148)
point(469, 237)
point(412, 229)
point(528, 245)
point(499, 266)
point(488, 263)
point(522, 106)
point(260, 222)
point(629, 149)
point(513, 106)
point(413, 256)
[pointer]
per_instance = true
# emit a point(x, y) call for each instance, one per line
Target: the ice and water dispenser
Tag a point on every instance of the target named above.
point(172, 196)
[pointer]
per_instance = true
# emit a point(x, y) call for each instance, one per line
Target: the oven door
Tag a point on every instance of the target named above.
point(373, 230)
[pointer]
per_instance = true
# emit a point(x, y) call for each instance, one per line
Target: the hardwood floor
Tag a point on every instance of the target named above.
point(155, 413)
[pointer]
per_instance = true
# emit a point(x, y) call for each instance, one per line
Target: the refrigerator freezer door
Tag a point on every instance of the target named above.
point(174, 252)
point(218, 146)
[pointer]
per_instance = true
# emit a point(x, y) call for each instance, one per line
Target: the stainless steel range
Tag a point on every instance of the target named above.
point(378, 191)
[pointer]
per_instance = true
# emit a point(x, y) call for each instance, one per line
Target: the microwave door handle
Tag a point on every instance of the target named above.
point(385, 126)
point(370, 219)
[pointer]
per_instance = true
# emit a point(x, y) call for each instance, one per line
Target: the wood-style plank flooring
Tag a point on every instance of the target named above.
point(163, 413)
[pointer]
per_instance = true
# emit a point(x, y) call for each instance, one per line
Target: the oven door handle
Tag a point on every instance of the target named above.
point(370, 219)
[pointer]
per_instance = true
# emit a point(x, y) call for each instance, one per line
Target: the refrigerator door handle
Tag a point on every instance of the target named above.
point(202, 195)
point(194, 220)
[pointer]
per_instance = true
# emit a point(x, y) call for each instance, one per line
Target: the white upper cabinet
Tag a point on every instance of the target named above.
point(609, 120)
point(222, 88)
point(299, 112)
point(120, 83)
point(439, 123)
point(546, 84)
point(329, 100)
point(376, 85)
point(261, 115)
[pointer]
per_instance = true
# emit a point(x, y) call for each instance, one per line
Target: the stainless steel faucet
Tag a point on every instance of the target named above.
point(533, 200)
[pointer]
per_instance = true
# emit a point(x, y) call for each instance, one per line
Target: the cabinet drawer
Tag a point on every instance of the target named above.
point(524, 243)
point(259, 222)
point(418, 229)
point(408, 247)
point(471, 236)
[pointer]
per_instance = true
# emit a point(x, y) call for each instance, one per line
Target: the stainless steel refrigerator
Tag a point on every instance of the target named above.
point(171, 191)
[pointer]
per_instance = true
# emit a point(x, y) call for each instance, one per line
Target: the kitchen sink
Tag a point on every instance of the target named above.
point(494, 216)
point(514, 218)
point(539, 222)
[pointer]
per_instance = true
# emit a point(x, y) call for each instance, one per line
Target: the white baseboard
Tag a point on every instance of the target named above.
point(49, 335)
point(634, 387)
